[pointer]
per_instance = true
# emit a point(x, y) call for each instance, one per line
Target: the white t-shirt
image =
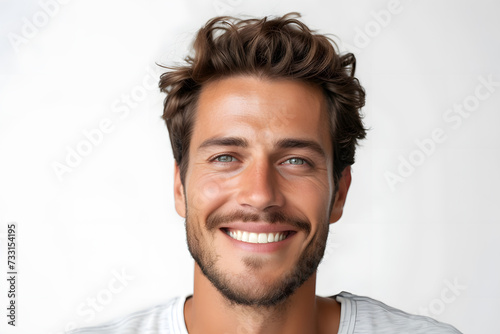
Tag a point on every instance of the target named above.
point(358, 315)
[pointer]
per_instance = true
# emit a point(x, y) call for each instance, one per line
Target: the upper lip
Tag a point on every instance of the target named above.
point(259, 227)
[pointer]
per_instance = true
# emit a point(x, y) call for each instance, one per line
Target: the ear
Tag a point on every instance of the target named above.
point(340, 196)
point(180, 199)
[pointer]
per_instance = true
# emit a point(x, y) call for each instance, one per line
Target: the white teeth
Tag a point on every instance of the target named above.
point(254, 238)
point(262, 238)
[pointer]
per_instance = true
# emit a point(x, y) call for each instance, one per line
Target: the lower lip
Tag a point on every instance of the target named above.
point(260, 248)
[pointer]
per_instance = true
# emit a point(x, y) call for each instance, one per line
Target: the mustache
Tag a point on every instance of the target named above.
point(216, 219)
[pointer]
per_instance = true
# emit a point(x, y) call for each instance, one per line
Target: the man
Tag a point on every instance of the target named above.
point(263, 121)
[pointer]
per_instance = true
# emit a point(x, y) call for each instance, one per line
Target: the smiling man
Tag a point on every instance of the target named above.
point(257, 196)
point(263, 120)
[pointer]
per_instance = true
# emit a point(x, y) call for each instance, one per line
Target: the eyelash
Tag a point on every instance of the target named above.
point(306, 161)
point(214, 159)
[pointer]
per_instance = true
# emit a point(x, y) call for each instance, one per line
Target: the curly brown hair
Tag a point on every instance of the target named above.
point(274, 48)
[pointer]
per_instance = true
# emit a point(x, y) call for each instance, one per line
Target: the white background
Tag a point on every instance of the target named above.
point(63, 74)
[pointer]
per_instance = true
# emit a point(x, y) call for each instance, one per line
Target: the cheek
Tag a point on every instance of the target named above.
point(311, 194)
point(206, 193)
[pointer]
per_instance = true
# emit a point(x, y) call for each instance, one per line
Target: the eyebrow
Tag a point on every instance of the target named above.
point(224, 141)
point(282, 143)
point(301, 143)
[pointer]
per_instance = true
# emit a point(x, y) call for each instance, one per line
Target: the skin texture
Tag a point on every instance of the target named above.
point(260, 160)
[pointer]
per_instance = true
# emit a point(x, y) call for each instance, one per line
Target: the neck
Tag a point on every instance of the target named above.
point(208, 311)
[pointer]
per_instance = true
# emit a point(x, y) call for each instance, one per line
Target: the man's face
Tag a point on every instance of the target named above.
point(259, 186)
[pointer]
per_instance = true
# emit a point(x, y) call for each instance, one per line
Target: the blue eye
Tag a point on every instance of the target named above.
point(295, 161)
point(225, 158)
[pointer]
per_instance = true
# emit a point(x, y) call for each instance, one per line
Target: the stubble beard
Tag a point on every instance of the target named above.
point(234, 289)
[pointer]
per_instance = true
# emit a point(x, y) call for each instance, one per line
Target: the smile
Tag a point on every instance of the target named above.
point(257, 238)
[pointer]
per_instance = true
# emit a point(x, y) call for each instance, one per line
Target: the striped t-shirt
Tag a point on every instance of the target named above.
point(359, 315)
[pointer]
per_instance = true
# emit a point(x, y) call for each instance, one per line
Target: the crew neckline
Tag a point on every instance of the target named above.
point(346, 322)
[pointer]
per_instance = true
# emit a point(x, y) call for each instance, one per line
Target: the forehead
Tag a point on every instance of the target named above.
point(247, 105)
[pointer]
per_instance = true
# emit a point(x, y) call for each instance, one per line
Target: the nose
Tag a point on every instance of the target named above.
point(259, 187)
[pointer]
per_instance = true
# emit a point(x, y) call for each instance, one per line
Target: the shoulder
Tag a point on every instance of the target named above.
point(366, 315)
point(160, 319)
